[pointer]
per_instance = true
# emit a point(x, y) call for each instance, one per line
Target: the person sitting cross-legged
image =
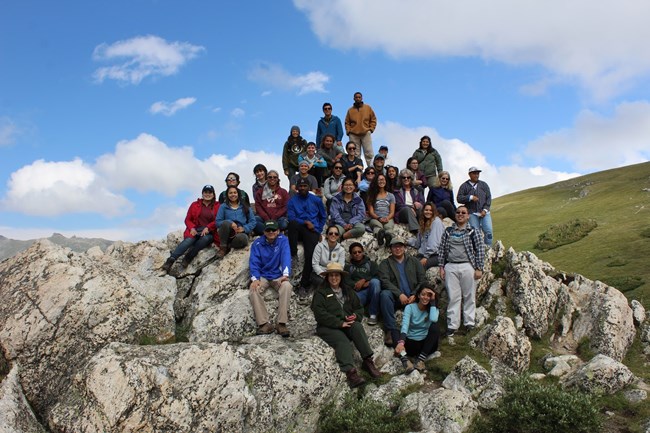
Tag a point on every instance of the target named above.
point(270, 265)
point(363, 278)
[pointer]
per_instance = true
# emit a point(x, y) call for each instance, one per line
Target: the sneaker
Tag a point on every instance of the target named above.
point(380, 237)
point(264, 329)
point(354, 380)
point(434, 355)
point(281, 328)
point(450, 333)
point(372, 320)
point(419, 366)
point(407, 365)
point(168, 264)
point(370, 367)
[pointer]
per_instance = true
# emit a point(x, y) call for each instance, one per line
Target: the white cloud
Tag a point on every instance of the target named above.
point(8, 131)
point(238, 112)
point(458, 156)
point(170, 108)
point(277, 77)
point(602, 44)
point(596, 142)
point(142, 56)
point(55, 188)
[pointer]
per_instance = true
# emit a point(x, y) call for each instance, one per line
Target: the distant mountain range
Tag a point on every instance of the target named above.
point(11, 247)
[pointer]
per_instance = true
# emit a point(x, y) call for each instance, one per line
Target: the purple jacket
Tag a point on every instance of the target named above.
point(400, 201)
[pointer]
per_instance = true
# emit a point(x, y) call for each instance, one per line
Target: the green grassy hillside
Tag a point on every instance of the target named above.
point(617, 251)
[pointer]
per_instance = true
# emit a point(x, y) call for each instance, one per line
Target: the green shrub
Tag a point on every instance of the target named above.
point(365, 416)
point(626, 283)
point(531, 407)
point(566, 233)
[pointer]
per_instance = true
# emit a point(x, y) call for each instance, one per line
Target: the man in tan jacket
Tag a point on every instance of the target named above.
point(360, 123)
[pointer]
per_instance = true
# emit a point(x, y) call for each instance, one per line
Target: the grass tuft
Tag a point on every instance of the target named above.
point(562, 234)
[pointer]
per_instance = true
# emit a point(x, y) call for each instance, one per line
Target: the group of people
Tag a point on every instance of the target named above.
point(332, 198)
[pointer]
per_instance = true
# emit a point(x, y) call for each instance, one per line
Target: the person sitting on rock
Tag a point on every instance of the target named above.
point(363, 278)
point(348, 211)
point(401, 275)
point(235, 222)
point(307, 217)
point(271, 203)
point(327, 251)
point(420, 333)
point(303, 173)
point(260, 172)
point(200, 229)
point(232, 179)
point(338, 314)
point(270, 265)
point(317, 164)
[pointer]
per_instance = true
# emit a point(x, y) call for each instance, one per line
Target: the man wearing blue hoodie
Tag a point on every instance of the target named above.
point(270, 265)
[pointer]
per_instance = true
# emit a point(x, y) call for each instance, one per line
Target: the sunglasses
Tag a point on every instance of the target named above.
point(338, 168)
point(332, 233)
point(405, 178)
point(461, 213)
point(444, 178)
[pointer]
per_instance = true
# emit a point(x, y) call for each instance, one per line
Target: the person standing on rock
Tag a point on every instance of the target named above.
point(270, 265)
point(200, 229)
point(360, 123)
point(461, 257)
point(338, 314)
point(476, 195)
point(329, 124)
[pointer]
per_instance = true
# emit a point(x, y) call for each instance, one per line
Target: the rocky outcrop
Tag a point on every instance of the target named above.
point(73, 326)
point(601, 375)
point(15, 414)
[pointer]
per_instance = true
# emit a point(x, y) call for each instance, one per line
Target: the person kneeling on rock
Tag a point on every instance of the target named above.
point(338, 314)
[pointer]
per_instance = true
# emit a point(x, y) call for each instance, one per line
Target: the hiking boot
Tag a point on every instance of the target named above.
point(450, 333)
point(372, 320)
point(281, 328)
point(354, 379)
point(264, 329)
point(469, 328)
point(380, 237)
point(370, 367)
point(168, 264)
point(407, 365)
point(303, 296)
point(388, 339)
point(419, 366)
point(186, 262)
point(222, 251)
point(388, 237)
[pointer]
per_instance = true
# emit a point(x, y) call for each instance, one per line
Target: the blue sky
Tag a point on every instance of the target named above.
point(113, 115)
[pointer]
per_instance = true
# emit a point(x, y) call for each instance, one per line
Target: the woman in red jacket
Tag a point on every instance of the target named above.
point(200, 229)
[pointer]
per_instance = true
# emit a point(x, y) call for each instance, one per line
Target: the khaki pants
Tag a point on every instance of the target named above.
point(284, 290)
point(364, 142)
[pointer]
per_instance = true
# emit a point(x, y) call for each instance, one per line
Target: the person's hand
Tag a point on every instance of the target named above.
point(411, 299)
point(286, 172)
point(442, 273)
point(256, 285)
point(418, 205)
point(233, 226)
point(403, 299)
point(478, 274)
point(351, 317)
point(309, 225)
point(282, 279)
point(474, 198)
point(423, 260)
point(347, 227)
point(205, 231)
point(346, 324)
point(399, 348)
point(193, 232)
point(483, 213)
point(359, 285)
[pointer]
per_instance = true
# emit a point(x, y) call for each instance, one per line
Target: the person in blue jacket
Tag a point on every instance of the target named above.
point(420, 333)
point(270, 265)
point(235, 221)
point(307, 217)
point(329, 124)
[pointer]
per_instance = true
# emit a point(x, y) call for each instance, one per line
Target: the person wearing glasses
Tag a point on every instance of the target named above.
point(408, 202)
point(420, 181)
point(327, 251)
point(442, 195)
point(401, 275)
point(348, 211)
point(271, 203)
point(232, 179)
point(270, 265)
point(333, 184)
point(368, 176)
point(200, 229)
point(352, 164)
point(329, 124)
point(476, 195)
point(461, 256)
point(363, 278)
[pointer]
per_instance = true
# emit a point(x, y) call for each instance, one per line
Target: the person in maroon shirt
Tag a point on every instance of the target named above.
point(200, 229)
point(271, 203)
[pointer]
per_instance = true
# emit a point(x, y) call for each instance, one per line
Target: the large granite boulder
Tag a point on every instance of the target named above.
point(15, 414)
point(501, 341)
point(601, 375)
point(442, 410)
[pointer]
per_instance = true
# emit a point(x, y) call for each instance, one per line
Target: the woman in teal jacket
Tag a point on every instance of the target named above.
point(235, 221)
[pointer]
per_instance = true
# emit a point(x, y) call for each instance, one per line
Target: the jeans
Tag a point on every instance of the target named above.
point(484, 224)
point(388, 303)
point(370, 296)
point(194, 244)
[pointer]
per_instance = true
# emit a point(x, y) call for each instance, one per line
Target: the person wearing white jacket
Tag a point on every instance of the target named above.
point(327, 251)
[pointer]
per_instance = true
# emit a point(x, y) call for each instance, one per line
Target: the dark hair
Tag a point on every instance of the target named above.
point(430, 148)
point(358, 93)
point(410, 160)
point(392, 183)
point(373, 189)
point(322, 140)
point(234, 174)
point(259, 167)
point(333, 226)
point(427, 286)
point(355, 245)
point(326, 104)
point(241, 201)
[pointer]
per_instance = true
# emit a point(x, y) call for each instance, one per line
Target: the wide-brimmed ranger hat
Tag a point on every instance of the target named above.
point(335, 268)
